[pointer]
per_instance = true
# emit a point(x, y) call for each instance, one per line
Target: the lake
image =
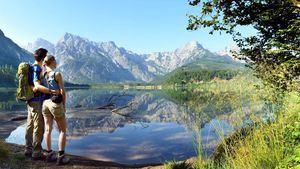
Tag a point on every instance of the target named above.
point(148, 127)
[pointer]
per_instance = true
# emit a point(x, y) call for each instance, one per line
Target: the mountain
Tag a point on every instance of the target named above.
point(11, 53)
point(10, 56)
point(203, 67)
point(40, 43)
point(189, 53)
point(85, 61)
point(201, 71)
point(128, 60)
point(82, 61)
point(229, 50)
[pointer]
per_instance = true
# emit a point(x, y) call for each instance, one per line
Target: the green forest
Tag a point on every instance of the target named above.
point(8, 76)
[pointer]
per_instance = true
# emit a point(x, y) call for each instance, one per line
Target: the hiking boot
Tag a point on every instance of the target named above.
point(37, 156)
point(50, 156)
point(28, 153)
point(62, 160)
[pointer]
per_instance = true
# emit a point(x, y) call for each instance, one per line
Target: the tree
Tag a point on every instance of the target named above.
point(274, 52)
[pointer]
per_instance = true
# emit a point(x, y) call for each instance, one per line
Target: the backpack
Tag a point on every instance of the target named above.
point(24, 90)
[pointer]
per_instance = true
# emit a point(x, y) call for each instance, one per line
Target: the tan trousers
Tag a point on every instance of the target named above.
point(35, 128)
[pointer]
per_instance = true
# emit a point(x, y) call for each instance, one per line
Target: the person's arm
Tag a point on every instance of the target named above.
point(60, 81)
point(43, 89)
point(38, 86)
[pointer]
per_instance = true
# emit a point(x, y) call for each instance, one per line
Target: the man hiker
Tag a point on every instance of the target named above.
point(35, 123)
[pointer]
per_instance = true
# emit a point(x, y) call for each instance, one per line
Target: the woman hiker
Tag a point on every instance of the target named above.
point(54, 109)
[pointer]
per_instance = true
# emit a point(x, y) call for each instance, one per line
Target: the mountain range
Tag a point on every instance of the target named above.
point(11, 53)
point(84, 61)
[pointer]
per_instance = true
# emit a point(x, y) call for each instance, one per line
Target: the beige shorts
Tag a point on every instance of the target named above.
point(53, 109)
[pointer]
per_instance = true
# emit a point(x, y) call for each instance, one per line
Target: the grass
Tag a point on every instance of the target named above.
point(178, 165)
point(271, 144)
point(11, 159)
point(4, 151)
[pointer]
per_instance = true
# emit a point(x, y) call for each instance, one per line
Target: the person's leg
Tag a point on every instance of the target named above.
point(48, 118)
point(29, 132)
point(61, 123)
point(38, 130)
point(59, 115)
point(61, 158)
point(48, 130)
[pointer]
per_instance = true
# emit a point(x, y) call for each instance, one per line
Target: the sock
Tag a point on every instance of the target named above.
point(61, 152)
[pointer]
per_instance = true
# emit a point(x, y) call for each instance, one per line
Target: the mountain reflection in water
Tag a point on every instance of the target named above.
point(155, 127)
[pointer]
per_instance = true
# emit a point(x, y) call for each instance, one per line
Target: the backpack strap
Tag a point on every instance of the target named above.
point(46, 75)
point(54, 77)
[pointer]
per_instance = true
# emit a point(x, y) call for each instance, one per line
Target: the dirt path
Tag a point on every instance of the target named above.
point(16, 160)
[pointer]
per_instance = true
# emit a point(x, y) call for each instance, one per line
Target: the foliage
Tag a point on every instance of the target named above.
point(72, 85)
point(183, 76)
point(8, 76)
point(270, 144)
point(4, 151)
point(274, 51)
point(178, 165)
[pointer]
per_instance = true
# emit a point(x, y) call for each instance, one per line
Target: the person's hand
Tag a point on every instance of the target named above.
point(55, 92)
point(34, 89)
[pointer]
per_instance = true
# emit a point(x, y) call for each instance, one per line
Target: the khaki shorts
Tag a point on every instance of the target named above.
point(53, 109)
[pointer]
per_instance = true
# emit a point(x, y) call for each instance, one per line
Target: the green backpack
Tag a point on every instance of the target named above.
point(24, 90)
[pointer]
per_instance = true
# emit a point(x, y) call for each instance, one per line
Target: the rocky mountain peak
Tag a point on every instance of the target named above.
point(40, 43)
point(68, 37)
point(190, 48)
point(86, 61)
point(229, 50)
point(110, 45)
point(41, 40)
point(192, 45)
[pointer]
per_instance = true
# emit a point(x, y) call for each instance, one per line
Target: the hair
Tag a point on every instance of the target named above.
point(49, 59)
point(40, 54)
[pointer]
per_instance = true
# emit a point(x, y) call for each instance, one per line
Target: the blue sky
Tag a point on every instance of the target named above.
point(142, 26)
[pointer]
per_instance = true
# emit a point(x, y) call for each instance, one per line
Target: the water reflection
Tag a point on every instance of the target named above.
point(8, 101)
point(150, 128)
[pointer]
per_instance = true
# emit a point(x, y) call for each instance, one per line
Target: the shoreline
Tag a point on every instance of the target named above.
point(15, 150)
point(16, 155)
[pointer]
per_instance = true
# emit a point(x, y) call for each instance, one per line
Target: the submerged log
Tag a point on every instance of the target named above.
point(18, 118)
point(107, 106)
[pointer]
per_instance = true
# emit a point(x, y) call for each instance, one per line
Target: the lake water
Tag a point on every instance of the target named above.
point(150, 126)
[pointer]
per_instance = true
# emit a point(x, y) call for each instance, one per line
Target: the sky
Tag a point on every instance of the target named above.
point(143, 26)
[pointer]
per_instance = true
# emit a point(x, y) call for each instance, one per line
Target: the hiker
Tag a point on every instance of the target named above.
point(54, 109)
point(35, 122)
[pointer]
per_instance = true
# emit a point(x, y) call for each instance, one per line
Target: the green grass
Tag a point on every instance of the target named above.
point(107, 86)
point(178, 165)
point(10, 159)
point(269, 145)
point(264, 146)
point(4, 151)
